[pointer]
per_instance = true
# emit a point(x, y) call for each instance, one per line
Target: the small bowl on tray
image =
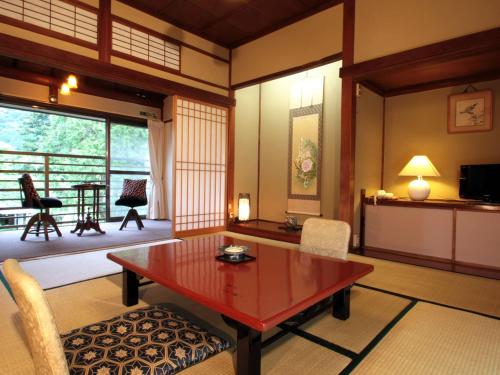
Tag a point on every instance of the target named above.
point(233, 252)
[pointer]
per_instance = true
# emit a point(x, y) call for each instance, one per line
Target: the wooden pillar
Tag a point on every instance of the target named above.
point(104, 30)
point(348, 120)
point(230, 147)
point(230, 159)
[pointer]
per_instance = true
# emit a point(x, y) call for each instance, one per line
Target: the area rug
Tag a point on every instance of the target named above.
point(52, 272)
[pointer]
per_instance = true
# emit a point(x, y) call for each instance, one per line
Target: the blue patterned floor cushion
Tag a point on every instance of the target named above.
point(149, 341)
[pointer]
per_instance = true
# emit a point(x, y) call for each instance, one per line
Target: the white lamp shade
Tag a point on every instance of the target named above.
point(243, 207)
point(419, 165)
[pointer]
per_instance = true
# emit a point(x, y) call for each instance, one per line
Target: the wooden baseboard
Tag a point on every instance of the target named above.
point(432, 262)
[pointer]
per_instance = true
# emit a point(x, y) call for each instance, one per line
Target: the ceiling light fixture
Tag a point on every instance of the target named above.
point(65, 89)
point(72, 81)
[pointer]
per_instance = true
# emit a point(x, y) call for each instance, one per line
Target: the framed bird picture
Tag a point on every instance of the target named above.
point(470, 112)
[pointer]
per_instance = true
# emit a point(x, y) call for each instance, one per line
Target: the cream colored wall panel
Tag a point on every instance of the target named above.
point(274, 144)
point(384, 27)
point(25, 90)
point(48, 41)
point(166, 75)
point(478, 238)
point(96, 103)
point(121, 10)
point(201, 66)
point(330, 170)
point(274, 149)
point(303, 42)
point(419, 231)
point(246, 140)
point(416, 124)
point(369, 136)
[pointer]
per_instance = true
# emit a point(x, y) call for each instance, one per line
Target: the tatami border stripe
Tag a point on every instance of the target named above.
point(368, 348)
point(81, 281)
point(426, 301)
point(325, 343)
point(275, 337)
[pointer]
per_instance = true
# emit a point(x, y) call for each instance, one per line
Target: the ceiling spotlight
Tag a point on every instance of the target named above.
point(53, 94)
point(72, 81)
point(65, 89)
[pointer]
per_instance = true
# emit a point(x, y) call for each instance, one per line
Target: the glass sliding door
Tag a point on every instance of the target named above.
point(58, 150)
point(129, 158)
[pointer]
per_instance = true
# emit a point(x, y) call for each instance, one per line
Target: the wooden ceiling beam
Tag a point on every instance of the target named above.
point(448, 50)
point(22, 49)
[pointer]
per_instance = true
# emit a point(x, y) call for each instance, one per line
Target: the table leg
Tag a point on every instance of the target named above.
point(248, 348)
point(130, 288)
point(341, 303)
point(78, 202)
point(248, 351)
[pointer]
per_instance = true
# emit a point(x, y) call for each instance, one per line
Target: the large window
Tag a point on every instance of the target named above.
point(61, 150)
point(129, 159)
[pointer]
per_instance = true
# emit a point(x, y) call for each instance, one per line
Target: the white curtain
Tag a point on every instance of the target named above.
point(157, 138)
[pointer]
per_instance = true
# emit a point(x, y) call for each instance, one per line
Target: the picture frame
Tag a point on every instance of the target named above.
point(470, 112)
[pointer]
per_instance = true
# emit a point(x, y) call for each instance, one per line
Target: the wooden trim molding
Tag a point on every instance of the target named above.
point(288, 71)
point(26, 50)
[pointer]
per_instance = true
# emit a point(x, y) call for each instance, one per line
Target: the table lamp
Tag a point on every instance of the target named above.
point(243, 206)
point(420, 166)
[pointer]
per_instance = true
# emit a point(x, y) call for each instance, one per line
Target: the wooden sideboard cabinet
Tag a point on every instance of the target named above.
point(451, 235)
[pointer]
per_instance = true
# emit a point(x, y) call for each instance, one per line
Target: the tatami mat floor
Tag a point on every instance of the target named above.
point(386, 333)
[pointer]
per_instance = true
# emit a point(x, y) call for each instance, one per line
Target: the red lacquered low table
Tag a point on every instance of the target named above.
point(255, 295)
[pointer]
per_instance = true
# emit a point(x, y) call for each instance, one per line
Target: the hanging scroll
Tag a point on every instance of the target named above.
point(304, 147)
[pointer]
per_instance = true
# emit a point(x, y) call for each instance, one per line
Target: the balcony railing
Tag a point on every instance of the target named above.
point(53, 175)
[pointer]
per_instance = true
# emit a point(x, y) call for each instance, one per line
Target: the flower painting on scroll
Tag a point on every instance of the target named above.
point(306, 162)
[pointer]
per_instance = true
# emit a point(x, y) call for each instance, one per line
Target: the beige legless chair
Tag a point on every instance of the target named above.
point(325, 237)
point(164, 341)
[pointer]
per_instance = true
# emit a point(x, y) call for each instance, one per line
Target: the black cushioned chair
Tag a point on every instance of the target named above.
point(133, 195)
point(31, 199)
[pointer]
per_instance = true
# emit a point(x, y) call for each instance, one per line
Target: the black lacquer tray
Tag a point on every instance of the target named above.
point(235, 260)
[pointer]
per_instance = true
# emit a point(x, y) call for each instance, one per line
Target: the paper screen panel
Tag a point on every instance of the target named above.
point(54, 15)
point(200, 166)
point(139, 44)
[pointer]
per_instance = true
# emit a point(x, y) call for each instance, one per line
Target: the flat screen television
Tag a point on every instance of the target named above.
point(481, 182)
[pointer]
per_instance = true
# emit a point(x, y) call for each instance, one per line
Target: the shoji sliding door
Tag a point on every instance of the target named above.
point(199, 166)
